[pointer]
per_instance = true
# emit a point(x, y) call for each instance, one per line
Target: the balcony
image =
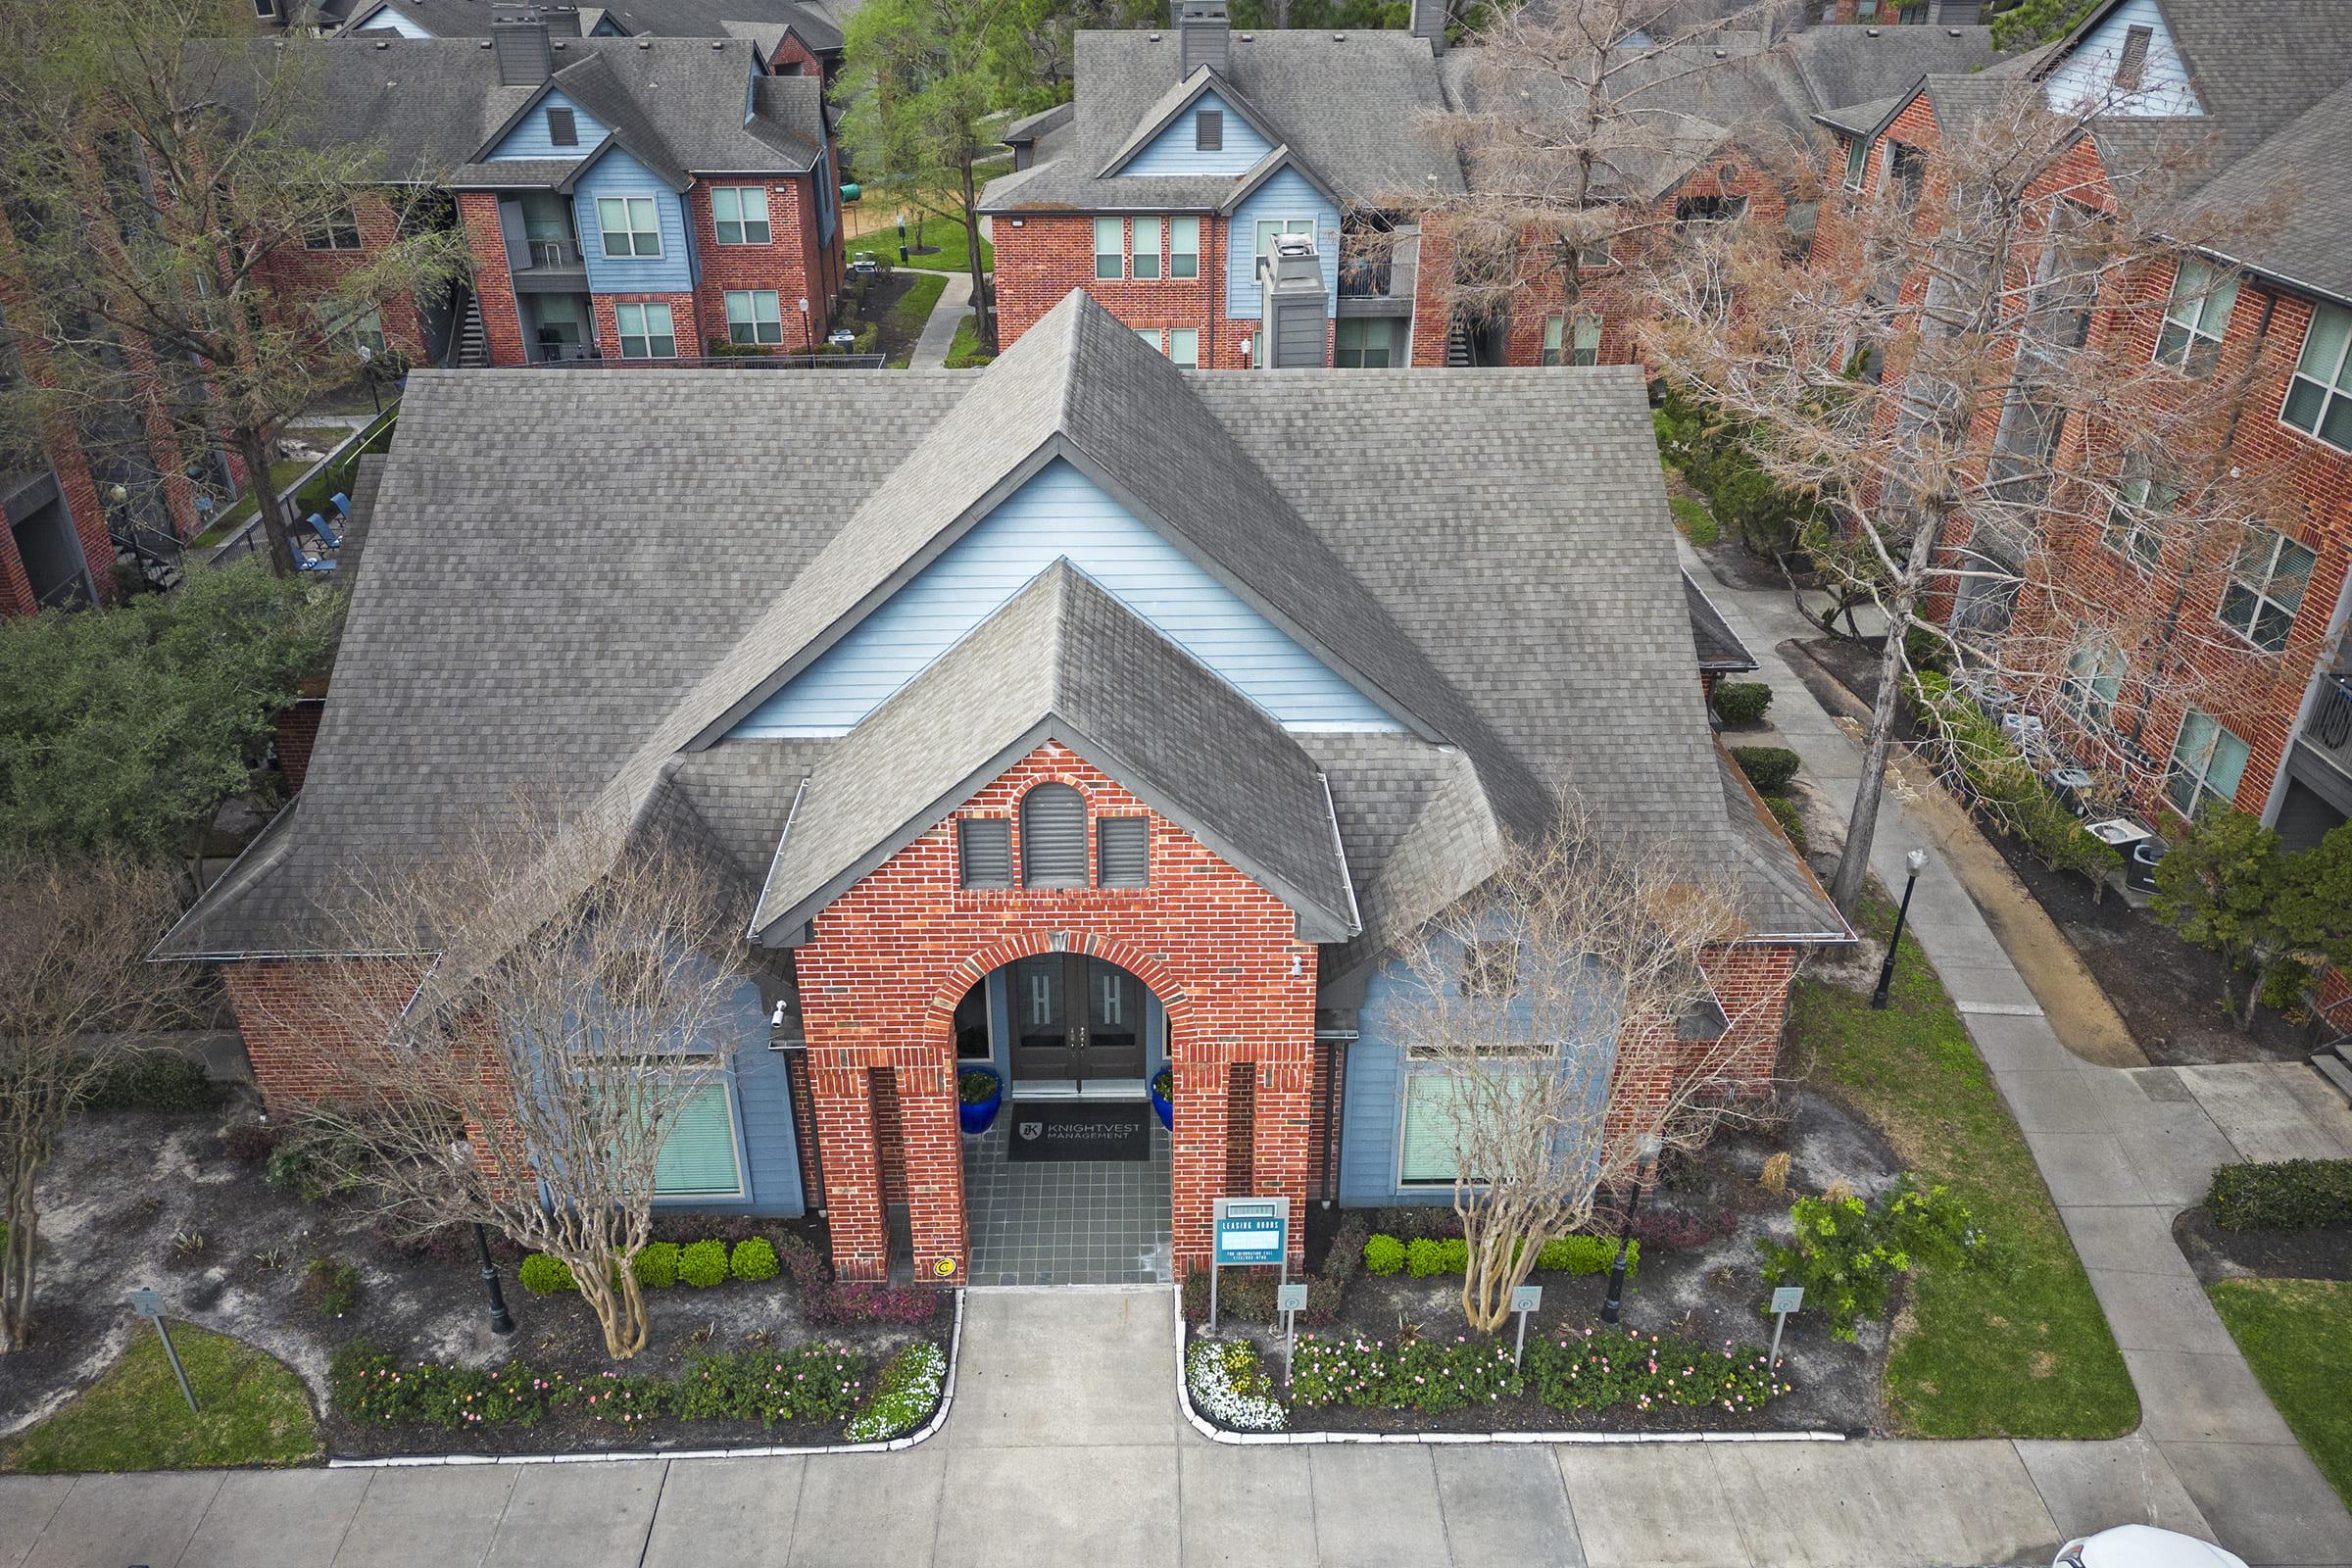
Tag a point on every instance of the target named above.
point(547, 265)
point(1376, 272)
point(2329, 730)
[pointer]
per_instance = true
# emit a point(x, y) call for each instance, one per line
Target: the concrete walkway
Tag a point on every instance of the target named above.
point(2122, 1150)
point(939, 328)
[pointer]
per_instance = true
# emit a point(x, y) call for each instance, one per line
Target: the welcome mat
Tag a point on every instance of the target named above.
point(1078, 1129)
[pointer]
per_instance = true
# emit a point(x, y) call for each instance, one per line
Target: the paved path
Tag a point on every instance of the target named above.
point(939, 330)
point(2122, 1150)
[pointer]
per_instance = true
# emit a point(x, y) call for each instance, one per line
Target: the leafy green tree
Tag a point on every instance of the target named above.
point(125, 730)
point(2315, 903)
point(2037, 22)
point(2221, 888)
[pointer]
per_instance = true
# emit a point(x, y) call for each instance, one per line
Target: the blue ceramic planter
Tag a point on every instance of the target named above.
point(978, 1117)
point(1164, 1105)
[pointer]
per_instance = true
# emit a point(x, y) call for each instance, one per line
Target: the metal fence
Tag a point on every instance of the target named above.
point(729, 361)
point(250, 539)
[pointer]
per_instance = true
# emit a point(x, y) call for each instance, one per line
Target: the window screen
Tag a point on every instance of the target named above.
point(1209, 130)
point(1124, 844)
point(1054, 837)
point(562, 129)
point(984, 844)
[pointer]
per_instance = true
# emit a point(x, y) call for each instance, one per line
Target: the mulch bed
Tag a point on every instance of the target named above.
point(2321, 1254)
point(1709, 1293)
point(127, 1191)
point(2168, 993)
point(881, 294)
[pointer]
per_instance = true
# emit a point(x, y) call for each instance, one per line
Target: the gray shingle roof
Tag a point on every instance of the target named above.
point(1718, 647)
point(662, 19)
point(1493, 553)
point(1063, 660)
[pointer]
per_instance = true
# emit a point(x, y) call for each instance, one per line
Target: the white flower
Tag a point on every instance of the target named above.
point(1214, 1395)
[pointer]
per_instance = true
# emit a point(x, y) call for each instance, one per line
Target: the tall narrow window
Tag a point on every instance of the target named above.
point(1209, 130)
point(2319, 397)
point(2266, 588)
point(1555, 328)
point(1111, 244)
point(1184, 346)
point(646, 332)
point(2134, 525)
point(2196, 319)
point(2132, 68)
point(697, 1158)
point(1123, 852)
point(562, 127)
point(1857, 162)
point(739, 213)
point(1184, 247)
point(2094, 675)
point(2207, 764)
point(1054, 837)
point(1147, 249)
point(984, 848)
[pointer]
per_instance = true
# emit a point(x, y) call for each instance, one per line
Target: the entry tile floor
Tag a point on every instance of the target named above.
point(1069, 1222)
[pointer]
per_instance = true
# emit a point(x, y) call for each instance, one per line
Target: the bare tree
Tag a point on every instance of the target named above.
point(1578, 116)
point(158, 161)
point(1566, 1012)
point(566, 998)
point(1964, 381)
point(77, 1001)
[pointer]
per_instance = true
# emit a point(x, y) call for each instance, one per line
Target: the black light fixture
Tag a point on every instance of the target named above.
point(501, 1320)
point(1649, 1148)
point(1917, 862)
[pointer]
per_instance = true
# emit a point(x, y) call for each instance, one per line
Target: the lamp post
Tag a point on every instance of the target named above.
point(1649, 1148)
point(501, 1321)
point(807, 332)
point(1917, 862)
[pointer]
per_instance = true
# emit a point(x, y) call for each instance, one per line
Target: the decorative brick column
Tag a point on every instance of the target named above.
point(842, 1087)
point(493, 279)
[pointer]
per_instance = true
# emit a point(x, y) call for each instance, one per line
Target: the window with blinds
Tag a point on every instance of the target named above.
point(1054, 837)
point(697, 1158)
point(984, 848)
point(1123, 852)
point(1426, 1156)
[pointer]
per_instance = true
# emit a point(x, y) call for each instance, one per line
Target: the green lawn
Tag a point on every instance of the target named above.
point(1690, 515)
point(284, 472)
point(2294, 1333)
point(2014, 1350)
point(252, 1411)
point(965, 353)
point(944, 232)
point(914, 308)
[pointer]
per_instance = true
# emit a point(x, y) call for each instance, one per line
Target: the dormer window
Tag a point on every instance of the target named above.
point(1209, 130)
point(2132, 68)
point(563, 128)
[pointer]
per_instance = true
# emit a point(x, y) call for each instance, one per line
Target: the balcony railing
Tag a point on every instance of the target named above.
point(555, 255)
point(1365, 277)
point(573, 357)
point(2330, 729)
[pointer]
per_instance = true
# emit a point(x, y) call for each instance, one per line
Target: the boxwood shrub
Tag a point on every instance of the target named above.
point(657, 1265)
point(1768, 767)
point(2289, 1194)
point(1427, 1256)
point(754, 1260)
point(1741, 702)
point(544, 1275)
point(703, 1263)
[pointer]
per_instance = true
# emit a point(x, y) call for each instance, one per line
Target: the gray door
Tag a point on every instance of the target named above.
point(1114, 1047)
point(1045, 1036)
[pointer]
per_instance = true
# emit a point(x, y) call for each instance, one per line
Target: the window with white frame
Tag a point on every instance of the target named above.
point(2207, 764)
point(2266, 588)
point(2196, 319)
point(338, 232)
point(1270, 230)
point(1184, 247)
point(630, 224)
point(646, 332)
point(1363, 343)
point(2319, 395)
point(1857, 162)
point(1110, 248)
point(699, 1157)
point(1577, 343)
point(1184, 347)
point(754, 315)
point(362, 329)
point(1145, 249)
point(2134, 525)
point(1150, 337)
point(1430, 1143)
point(740, 214)
point(2095, 677)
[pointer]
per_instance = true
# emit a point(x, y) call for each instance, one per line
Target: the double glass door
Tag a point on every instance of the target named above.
point(1076, 1021)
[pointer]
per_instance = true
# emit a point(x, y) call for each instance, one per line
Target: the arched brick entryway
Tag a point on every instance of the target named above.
point(890, 958)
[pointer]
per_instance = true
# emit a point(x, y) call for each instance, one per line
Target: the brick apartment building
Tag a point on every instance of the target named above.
point(1074, 719)
point(2270, 728)
point(1190, 158)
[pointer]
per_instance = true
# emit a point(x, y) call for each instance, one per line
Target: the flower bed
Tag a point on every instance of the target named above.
point(1229, 1386)
point(1594, 1370)
point(908, 1392)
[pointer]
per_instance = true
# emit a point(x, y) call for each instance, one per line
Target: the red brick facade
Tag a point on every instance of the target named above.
point(794, 262)
point(293, 1036)
point(493, 279)
point(298, 275)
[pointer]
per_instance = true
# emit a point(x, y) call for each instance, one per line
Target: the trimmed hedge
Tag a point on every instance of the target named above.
point(703, 1263)
point(1792, 823)
point(1591, 1370)
point(1741, 702)
point(1425, 1257)
point(1768, 767)
point(151, 1080)
point(2292, 1195)
point(659, 1265)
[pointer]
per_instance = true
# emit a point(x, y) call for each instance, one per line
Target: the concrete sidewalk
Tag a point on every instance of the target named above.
point(2121, 1149)
point(939, 328)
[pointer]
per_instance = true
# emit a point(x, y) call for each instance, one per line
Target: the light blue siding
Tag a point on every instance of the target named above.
point(529, 138)
point(1061, 513)
point(617, 173)
point(396, 22)
point(2089, 74)
point(1172, 151)
point(765, 1134)
point(1287, 195)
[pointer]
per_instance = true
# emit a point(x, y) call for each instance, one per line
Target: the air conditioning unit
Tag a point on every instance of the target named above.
point(2072, 785)
point(2026, 730)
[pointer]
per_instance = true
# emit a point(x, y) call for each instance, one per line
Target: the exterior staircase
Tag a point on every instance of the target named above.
point(153, 556)
point(2335, 1063)
point(1457, 345)
point(473, 339)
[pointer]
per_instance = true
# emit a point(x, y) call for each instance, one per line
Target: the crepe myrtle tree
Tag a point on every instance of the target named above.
point(155, 160)
point(567, 993)
point(78, 1001)
point(2001, 463)
point(1566, 1009)
point(1576, 114)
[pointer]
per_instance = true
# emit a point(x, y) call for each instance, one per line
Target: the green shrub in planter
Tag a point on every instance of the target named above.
point(1422, 1259)
point(1741, 702)
point(1586, 1254)
point(754, 1260)
point(703, 1263)
point(544, 1275)
point(1384, 1255)
point(1768, 767)
point(2289, 1194)
point(655, 1265)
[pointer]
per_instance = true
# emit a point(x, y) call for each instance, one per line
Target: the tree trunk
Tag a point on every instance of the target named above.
point(984, 316)
point(2245, 1018)
point(611, 1290)
point(1853, 866)
point(16, 1265)
point(265, 494)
